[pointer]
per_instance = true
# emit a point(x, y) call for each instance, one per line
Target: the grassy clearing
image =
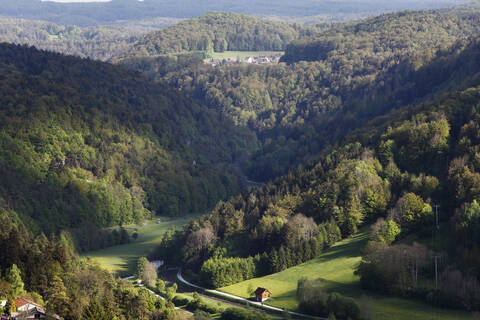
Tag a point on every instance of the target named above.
point(243, 54)
point(121, 259)
point(335, 266)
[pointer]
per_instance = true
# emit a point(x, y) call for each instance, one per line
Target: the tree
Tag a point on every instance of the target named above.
point(197, 242)
point(149, 274)
point(410, 210)
point(15, 279)
point(57, 299)
point(95, 311)
point(385, 231)
point(140, 267)
point(201, 315)
point(160, 285)
point(170, 293)
point(299, 229)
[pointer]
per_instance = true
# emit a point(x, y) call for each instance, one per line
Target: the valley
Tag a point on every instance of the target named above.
point(335, 163)
point(121, 259)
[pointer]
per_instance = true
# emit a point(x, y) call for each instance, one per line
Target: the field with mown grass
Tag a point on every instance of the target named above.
point(122, 259)
point(242, 54)
point(335, 267)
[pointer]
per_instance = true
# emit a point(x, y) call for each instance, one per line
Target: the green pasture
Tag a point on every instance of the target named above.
point(242, 54)
point(121, 259)
point(335, 267)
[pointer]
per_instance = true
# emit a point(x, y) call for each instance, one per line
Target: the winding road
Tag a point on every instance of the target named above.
point(234, 297)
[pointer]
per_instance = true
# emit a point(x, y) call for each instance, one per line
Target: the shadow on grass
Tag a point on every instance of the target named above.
point(347, 249)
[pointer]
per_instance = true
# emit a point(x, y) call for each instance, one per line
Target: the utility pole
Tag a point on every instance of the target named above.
point(436, 215)
point(436, 272)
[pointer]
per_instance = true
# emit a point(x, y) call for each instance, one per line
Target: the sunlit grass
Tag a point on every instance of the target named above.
point(243, 54)
point(121, 259)
point(335, 267)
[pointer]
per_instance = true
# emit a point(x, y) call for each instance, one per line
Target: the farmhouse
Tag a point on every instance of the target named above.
point(262, 294)
point(23, 304)
point(27, 309)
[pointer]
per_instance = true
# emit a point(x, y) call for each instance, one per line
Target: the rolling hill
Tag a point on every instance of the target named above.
point(86, 142)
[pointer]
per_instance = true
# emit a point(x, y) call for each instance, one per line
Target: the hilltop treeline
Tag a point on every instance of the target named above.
point(83, 141)
point(113, 12)
point(99, 43)
point(384, 38)
point(218, 32)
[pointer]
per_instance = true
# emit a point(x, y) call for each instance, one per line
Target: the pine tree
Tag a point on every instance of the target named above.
point(57, 296)
point(15, 279)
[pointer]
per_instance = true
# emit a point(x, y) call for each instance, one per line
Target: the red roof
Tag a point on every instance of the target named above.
point(22, 301)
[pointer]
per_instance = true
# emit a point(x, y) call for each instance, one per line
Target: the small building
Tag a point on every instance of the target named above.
point(23, 304)
point(262, 294)
point(33, 313)
point(27, 309)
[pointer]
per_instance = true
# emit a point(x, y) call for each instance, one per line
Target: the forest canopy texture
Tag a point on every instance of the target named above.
point(86, 142)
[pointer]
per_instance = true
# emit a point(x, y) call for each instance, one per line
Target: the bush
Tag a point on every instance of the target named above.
point(343, 307)
point(315, 301)
point(200, 305)
point(179, 301)
point(220, 272)
point(240, 314)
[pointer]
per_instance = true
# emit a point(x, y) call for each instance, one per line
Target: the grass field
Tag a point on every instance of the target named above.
point(221, 305)
point(243, 54)
point(335, 266)
point(121, 259)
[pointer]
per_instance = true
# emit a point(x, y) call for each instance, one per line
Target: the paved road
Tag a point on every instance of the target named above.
point(157, 295)
point(231, 296)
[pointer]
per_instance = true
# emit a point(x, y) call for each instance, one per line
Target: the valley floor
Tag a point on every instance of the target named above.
point(122, 259)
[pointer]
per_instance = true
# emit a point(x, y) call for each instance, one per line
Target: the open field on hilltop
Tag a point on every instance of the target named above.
point(243, 54)
point(336, 266)
point(121, 259)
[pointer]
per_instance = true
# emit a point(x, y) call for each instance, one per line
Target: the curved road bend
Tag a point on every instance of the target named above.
point(158, 296)
point(253, 303)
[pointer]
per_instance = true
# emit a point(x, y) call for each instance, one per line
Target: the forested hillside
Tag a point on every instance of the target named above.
point(85, 143)
point(359, 71)
point(47, 271)
point(99, 43)
point(391, 173)
point(219, 31)
point(119, 11)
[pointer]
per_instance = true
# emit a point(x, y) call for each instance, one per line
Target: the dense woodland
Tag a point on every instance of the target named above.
point(219, 32)
point(99, 43)
point(389, 174)
point(361, 70)
point(47, 271)
point(122, 11)
point(85, 144)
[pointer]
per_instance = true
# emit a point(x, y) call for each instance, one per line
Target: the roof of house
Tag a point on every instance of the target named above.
point(261, 290)
point(22, 301)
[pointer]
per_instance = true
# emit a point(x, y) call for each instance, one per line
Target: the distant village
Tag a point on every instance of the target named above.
point(266, 59)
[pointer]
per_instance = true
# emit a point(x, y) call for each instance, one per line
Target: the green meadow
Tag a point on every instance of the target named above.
point(242, 54)
point(335, 267)
point(121, 259)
